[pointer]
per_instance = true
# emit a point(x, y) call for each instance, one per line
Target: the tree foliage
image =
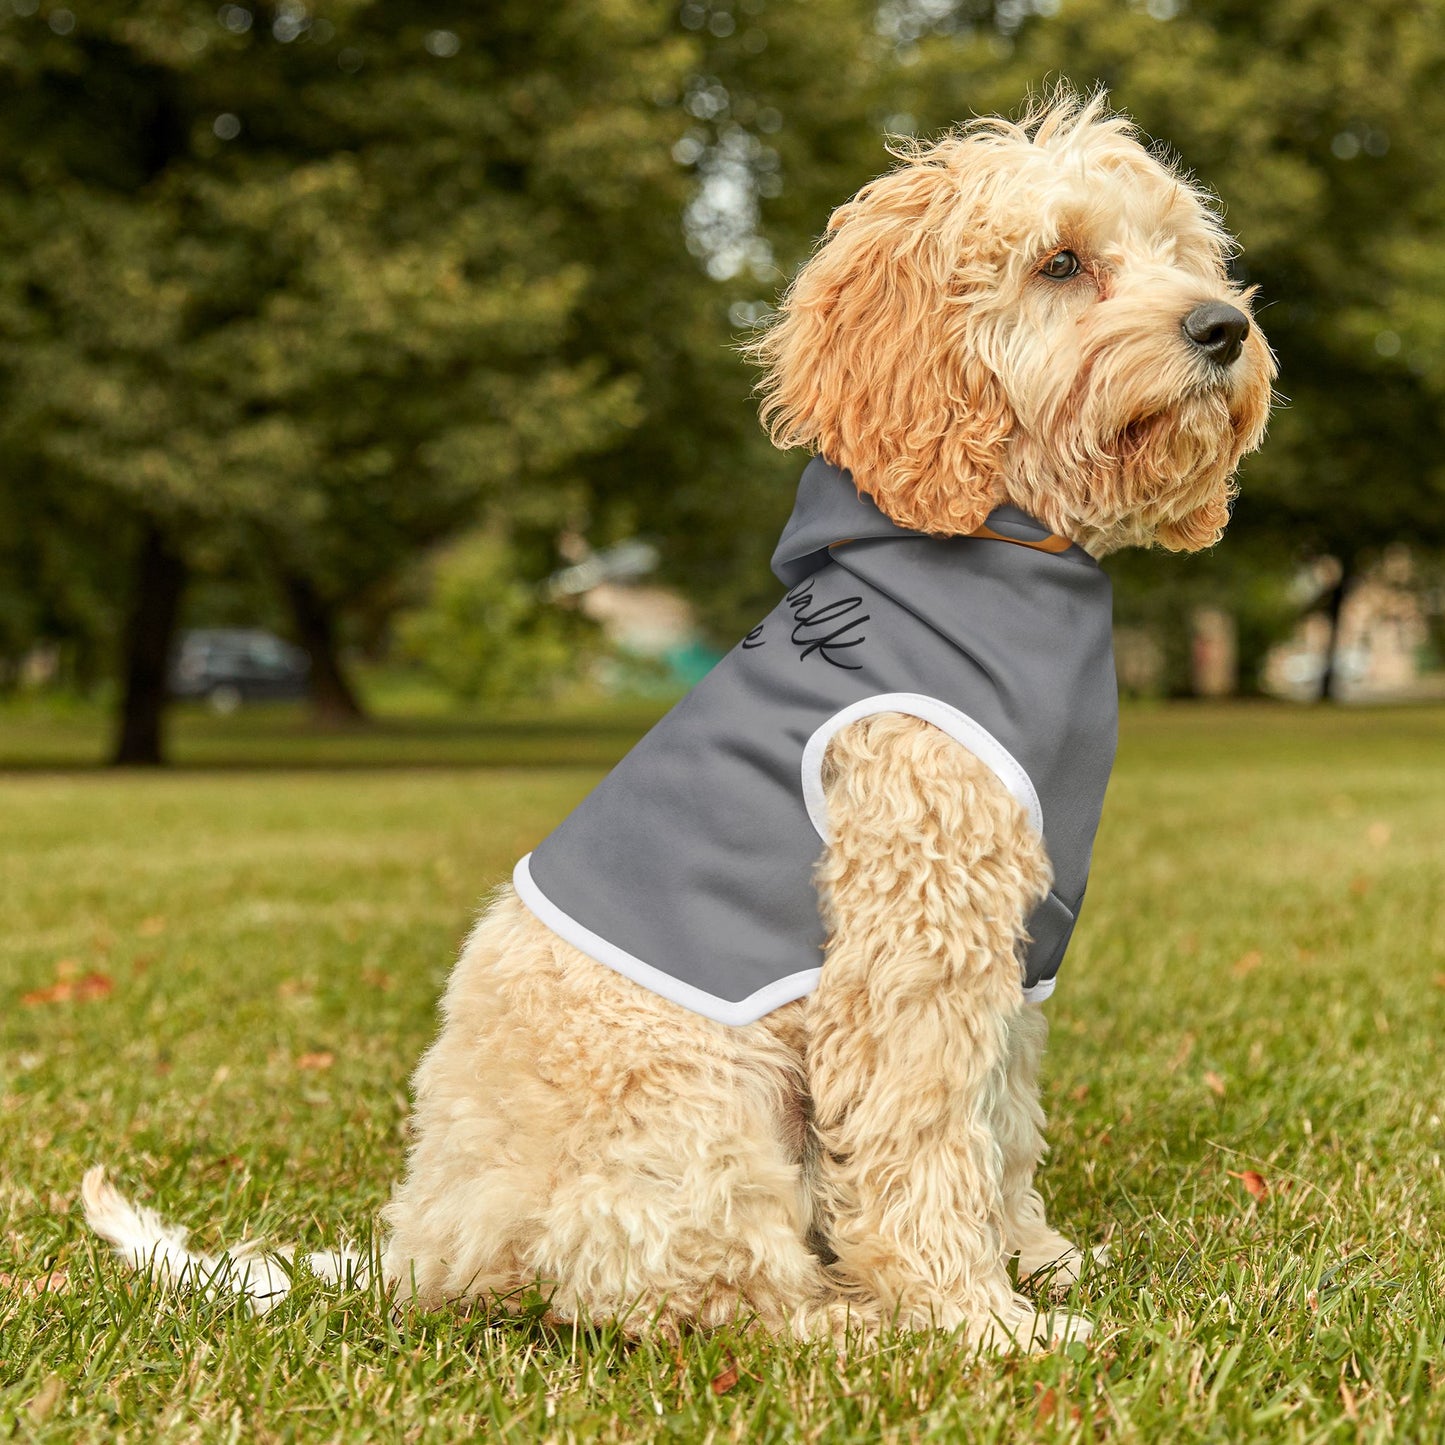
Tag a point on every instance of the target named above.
point(318, 286)
point(486, 634)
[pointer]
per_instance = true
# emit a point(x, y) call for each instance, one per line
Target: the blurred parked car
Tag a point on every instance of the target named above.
point(230, 665)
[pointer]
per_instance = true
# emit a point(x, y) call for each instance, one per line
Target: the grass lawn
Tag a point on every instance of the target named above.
point(216, 980)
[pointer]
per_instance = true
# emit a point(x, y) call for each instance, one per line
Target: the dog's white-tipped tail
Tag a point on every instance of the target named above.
point(147, 1243)
point(139, 1235)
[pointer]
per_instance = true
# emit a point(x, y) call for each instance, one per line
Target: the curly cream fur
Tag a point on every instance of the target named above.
point(865, 1156)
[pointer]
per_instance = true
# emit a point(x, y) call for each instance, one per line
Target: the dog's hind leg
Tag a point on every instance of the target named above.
point(926, 884)
point(681, 1198)
point(578, 1135)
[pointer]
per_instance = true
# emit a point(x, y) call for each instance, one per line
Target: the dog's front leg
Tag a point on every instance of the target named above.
point(1043, 1253)
point(930, 874)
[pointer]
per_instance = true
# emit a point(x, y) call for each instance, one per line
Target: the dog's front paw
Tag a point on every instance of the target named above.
point(1057, 1269)
point(1023, 1326)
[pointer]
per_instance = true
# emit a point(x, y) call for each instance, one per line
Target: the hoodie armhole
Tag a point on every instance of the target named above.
point(958, 725)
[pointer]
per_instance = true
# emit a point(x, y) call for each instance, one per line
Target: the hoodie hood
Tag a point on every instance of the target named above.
point(830, 509)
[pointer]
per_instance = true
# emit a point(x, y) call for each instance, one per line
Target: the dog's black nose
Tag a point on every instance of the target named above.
point(1218, 330)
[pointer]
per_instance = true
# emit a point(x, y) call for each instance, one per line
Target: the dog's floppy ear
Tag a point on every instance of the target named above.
point(872, 360)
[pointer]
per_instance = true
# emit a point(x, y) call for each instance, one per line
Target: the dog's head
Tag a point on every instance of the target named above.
point(1035, 312)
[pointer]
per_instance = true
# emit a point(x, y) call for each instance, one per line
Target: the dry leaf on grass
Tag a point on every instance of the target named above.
point(1247, 963)
point(1181, 1054)
point(1255, 1184)
point(726, 1379)
point(56, 1282)
point(1214, 1083)
point(45, 1399)
point(67, 990)
point(151, 927)
point(322, 1059)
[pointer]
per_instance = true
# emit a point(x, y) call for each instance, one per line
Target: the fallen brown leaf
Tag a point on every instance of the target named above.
point(1181, 1054)
point(322, 1059)
point(56, 993)
point(377, 978)
point(1247, 963)
point(1080, 1094)
point(151, 927)
point(1255, 1184)
point(45, 1399)
point(66, 990)
point(1214, 1083)
point(1046, 1407)
point(56, 1282)
point(723, 1382)
point(1440, 980)
point(1360, 885)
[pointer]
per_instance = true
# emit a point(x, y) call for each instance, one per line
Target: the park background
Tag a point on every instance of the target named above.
point(408, 333)
point(361, 326)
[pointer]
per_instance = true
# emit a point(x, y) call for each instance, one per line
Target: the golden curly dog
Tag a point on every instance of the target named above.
point(1001, 318)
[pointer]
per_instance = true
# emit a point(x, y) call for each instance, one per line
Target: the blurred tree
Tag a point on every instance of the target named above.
point(58, 570)
point(303, 282)
point(487, 634)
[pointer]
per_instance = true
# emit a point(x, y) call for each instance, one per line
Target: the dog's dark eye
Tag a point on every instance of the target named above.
point(1060, 266)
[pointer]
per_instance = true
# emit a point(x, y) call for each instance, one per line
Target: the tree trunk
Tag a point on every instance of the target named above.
point(1329, 677)
point(333, 699)
point(160, 578)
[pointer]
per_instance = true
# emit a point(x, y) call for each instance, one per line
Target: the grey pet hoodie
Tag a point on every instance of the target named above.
point(690, 867)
